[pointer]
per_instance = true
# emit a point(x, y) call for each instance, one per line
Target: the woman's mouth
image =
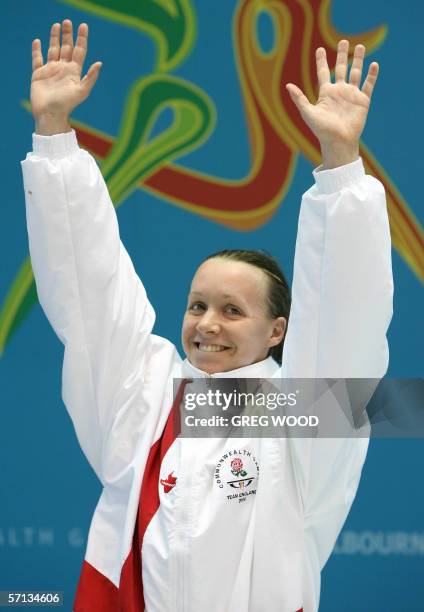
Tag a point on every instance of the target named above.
point(210, 348)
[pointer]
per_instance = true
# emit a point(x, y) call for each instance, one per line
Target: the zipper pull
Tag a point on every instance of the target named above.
point(208, 380)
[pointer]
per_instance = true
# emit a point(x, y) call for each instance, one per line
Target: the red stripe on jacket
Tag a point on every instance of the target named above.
point(95, 591)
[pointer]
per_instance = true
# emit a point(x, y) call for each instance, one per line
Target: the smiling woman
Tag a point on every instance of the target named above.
point(169, 513)
point(232, 320)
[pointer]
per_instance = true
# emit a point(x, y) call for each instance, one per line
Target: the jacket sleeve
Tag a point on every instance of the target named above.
point(86, 285)
point(342, 282)
point(341, 309)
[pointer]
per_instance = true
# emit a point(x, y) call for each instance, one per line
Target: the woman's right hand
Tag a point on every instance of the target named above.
point(56, 86)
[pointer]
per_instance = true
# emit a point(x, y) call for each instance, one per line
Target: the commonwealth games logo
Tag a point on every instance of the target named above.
point(237, 469)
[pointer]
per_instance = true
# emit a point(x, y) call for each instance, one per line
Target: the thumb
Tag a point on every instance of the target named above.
point(298, 97)
point(90, 78)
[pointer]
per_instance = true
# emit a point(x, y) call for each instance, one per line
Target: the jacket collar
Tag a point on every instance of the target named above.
point(262, 369)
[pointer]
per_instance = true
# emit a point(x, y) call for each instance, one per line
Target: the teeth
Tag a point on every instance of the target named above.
point(211, 348)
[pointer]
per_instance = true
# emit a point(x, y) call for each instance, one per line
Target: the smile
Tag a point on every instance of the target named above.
point(210, 348)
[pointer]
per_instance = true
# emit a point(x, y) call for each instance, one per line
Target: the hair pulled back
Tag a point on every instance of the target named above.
point(278, 294)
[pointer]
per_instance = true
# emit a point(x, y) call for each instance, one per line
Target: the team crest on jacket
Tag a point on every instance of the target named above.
point(237, 473)
point(168, 483)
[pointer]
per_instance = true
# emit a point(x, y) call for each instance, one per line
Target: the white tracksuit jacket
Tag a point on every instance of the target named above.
point(165, 537)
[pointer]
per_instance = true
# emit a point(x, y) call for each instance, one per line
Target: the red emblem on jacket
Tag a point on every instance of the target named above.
point(168, 483)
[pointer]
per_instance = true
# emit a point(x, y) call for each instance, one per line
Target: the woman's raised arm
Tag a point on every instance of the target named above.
point(342, 290)
point(86, 282)
point(342, 285)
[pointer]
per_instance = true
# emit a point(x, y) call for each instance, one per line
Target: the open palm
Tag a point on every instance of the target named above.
point(340, 112)
point(57, 87)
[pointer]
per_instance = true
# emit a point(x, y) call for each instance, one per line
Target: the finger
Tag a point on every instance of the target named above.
point(91, 77)
point(80, 49)
point(54, 45)
point(37, 56)
point(370, 81)
point(67, 41)
point(323, 71)
point(298, 97)
point(341, 61)
point(355, 75)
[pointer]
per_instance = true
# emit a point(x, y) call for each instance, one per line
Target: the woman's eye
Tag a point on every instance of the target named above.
point(197, 307)
point(233, 310)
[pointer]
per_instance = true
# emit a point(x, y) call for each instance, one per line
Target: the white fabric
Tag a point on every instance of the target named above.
point(203, 551)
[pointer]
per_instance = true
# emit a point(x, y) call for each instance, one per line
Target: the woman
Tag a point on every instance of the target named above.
point(165, 535)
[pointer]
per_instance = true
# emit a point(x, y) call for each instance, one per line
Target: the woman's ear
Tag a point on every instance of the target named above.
point(278, 331)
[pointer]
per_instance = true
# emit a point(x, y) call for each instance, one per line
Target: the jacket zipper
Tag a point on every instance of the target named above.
point(182, 530)
point(180, 543)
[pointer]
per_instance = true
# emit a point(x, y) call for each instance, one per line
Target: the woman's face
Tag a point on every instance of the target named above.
point(226, 325)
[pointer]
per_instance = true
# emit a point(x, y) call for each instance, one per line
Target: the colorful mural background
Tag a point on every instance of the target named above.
point(202, 149)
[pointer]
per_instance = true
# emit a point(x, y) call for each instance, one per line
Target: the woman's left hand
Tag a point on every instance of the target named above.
point(338, 118)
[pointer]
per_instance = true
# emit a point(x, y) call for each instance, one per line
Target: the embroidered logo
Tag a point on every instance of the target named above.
point(168, 483)
point(237, 469)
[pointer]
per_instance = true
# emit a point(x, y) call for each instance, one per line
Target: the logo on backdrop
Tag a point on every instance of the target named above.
point(350, 543)
point(42, 537)
point(380, 543)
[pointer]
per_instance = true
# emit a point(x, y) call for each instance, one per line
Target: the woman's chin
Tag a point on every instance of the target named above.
point(211, 363)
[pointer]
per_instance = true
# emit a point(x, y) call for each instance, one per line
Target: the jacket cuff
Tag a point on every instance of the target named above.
point(330, 181)
point(56, 146)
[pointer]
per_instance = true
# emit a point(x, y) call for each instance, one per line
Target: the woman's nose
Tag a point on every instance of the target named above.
point(208, 324)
